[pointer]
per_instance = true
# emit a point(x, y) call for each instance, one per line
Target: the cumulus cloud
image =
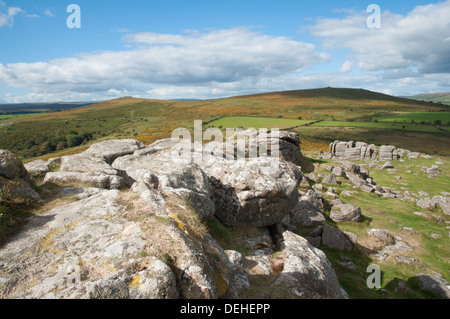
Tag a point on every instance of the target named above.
point(347, 66)
point(416, 40)
point(410, 54)
point(7, 14)
point(196, 59)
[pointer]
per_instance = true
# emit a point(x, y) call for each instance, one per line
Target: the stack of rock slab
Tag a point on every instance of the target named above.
point(356, 151)
point(360, 151)
point(388, 153)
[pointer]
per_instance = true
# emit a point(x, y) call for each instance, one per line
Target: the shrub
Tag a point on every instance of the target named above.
point(73, 140)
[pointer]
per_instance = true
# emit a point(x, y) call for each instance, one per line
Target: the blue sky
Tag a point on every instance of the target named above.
point(208, 49)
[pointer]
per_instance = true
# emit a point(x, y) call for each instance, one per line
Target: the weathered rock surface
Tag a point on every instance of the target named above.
point(259, 192)
point(387, 165)
point(307, 273)
point(308, 211)
point(93, 179)
point(379, 238)
point(103, 246)
point(338, 171)
point(11, 167)
point(330, 179)
point(60, 253)
point(171, 174)
point(426, 203)
point(361, 151)
point(92, 167)
point(112, 149)
point(306, 214)
point(88, 249)
point(346, 213)
point(355, 179)
point(37, 167)
point(262, 143)
point(387, 153)
point(14, 178)
point(358, 151)
point(330, 237)
point(315, 198)
point(435, 283)
point(17, 189)
point(86, 169)
point(443, 202)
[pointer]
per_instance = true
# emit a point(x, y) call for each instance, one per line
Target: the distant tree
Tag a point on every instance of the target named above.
point(438, 123)
point(73, 140)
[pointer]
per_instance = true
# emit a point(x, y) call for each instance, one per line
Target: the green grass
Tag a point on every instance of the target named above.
point(393, 215)
point(256, 122)
point(16, 116)
point(417, 117)
point(426, 142)
point(390, 126)
point(416, 179)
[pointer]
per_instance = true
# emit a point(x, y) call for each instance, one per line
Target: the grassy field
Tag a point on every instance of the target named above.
point(417, 117)
point(390, 126)
point(256, 122)
point(317, 136)
point(429, 143)
point(394, 215)
point(16, 116)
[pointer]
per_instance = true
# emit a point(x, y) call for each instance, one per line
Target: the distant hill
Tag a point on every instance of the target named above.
point(443, 98)
point(329, 94)
point(329, 103)
point(149, 120)
point(41, 107)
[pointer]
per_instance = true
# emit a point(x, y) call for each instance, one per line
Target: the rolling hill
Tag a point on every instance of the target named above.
point(149, 120)
point(40, 107)
point(443, 98)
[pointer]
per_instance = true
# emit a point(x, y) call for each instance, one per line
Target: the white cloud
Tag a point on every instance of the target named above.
point(415, 40)
point(375, 82)
point(49, 13)
point(347, 66)
point(193, 59)
point(408, 55)
point(7, 14)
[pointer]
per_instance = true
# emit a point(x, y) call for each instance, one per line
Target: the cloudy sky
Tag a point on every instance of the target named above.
point(170, 49)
